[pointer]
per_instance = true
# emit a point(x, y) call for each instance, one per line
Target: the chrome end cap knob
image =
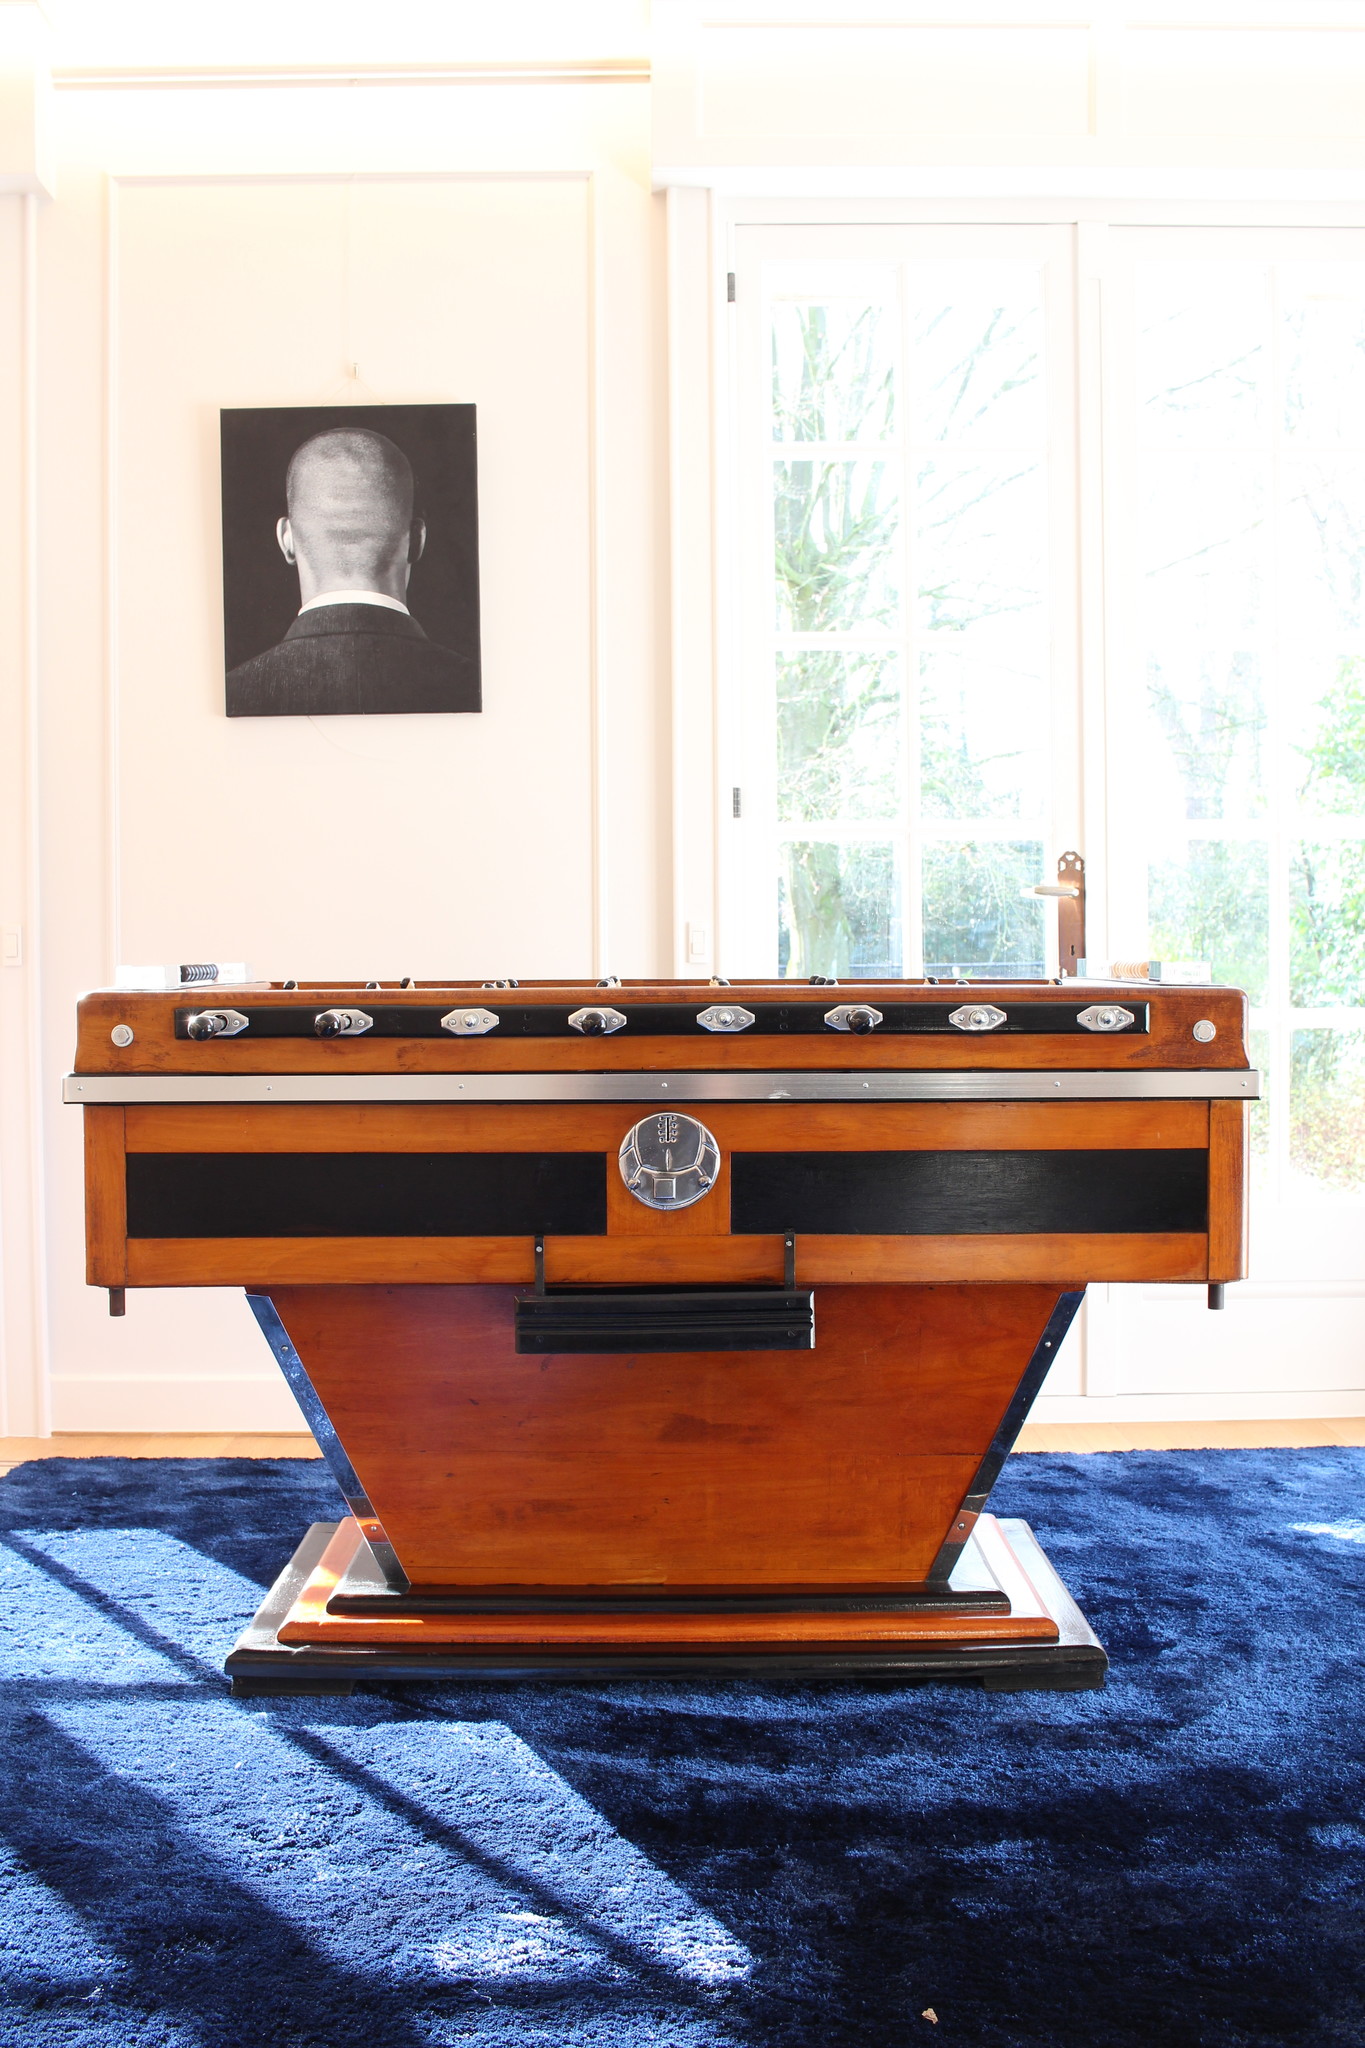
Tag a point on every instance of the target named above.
point(342, 1023)
point(1105, 1017)
point(669, 1161)
point(469, 1023)
point(596, 1022)
point(725, 1017)
point(216, 1024)
point(977, 1017)
point(858, 1017)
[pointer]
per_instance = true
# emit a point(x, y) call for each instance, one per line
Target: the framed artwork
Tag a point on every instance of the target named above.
point(350, 560)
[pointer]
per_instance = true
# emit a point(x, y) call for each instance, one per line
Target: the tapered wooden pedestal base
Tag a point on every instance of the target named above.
point(1015, 1626)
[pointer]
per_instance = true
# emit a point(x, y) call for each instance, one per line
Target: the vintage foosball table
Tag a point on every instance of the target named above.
point(664, 1327)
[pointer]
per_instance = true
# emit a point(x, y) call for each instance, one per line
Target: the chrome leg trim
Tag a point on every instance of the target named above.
point(328, 1442)
point(1002, 1443)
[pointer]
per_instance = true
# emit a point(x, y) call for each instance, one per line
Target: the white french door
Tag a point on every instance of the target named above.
point(949, 480)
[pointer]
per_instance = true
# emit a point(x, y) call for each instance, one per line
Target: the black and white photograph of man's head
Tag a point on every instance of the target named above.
point(350, 560)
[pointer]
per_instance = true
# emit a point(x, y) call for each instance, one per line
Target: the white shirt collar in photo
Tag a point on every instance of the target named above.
point(390, 604)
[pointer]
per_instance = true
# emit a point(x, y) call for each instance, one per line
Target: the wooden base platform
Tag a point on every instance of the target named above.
point(301, 1641)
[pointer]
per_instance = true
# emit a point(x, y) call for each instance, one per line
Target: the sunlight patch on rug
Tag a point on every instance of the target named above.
point(518, 1813)
point(165, 1587)
point(524, 1881)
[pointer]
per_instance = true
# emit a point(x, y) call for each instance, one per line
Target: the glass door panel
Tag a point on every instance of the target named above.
point(1237, 777)
point(896, 771)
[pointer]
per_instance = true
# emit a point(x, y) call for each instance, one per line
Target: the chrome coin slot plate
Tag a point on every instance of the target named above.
point(669, 1161)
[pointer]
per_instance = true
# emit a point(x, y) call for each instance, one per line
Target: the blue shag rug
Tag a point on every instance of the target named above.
point(1179, 1859)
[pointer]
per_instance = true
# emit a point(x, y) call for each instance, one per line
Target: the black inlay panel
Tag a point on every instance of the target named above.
point(723, 1319)
point(658, 1020)
point(967, 1194)
point(367, 1194)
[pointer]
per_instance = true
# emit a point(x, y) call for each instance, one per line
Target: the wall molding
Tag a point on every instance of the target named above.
point(35, 1395)
point(252, 78)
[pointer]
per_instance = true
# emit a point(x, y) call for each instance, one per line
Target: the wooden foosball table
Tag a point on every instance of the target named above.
point(664, 1327)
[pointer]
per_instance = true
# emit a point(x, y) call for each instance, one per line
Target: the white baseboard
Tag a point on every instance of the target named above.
point(1286, 1406)
point(148, 1403)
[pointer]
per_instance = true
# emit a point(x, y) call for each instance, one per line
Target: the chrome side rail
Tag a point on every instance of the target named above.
point(1238, 1084)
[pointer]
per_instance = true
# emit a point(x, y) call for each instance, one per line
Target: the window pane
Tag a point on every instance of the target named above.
point(1327, 924)
point(978, 543)
point(1322, 552)
point(1203, 354)
point(983, 731)
point(1209, 902)
point(1327, 1108)
point(1258, 1049)
point(837, 563)
point(1203, 537)
point(838, 737)
point(976, 921)
point(1204, 733)
point(839, 910)
point(1330, 724)
point(1323, 339)
point(833, 371)
point(976, 337)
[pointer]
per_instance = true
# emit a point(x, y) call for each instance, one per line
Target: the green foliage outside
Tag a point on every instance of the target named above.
point(1213, 904)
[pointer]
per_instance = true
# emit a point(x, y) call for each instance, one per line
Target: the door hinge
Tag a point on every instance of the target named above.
point(730, 287)
point(734, 802)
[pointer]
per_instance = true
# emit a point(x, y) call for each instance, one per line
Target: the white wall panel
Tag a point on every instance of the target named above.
point(890, 82)
point(370, 846)
point(251, 247)
point(801, 84)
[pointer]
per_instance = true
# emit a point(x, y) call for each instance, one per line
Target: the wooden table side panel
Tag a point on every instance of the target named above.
point(1067, 1259)
point(1229, 1160)
point(600, 1127)
point(842, 1465)
point(106, 1201)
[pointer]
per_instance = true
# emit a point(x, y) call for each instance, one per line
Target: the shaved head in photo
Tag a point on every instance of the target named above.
point(351, 534)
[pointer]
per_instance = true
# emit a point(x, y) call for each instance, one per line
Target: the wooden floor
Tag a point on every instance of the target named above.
point(1037, 1436)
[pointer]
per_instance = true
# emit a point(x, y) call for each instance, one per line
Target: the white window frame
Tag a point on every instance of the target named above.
point(1299, 1270)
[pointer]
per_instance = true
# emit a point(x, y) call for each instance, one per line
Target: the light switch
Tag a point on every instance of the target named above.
point(11, 945)
point(698, 948)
